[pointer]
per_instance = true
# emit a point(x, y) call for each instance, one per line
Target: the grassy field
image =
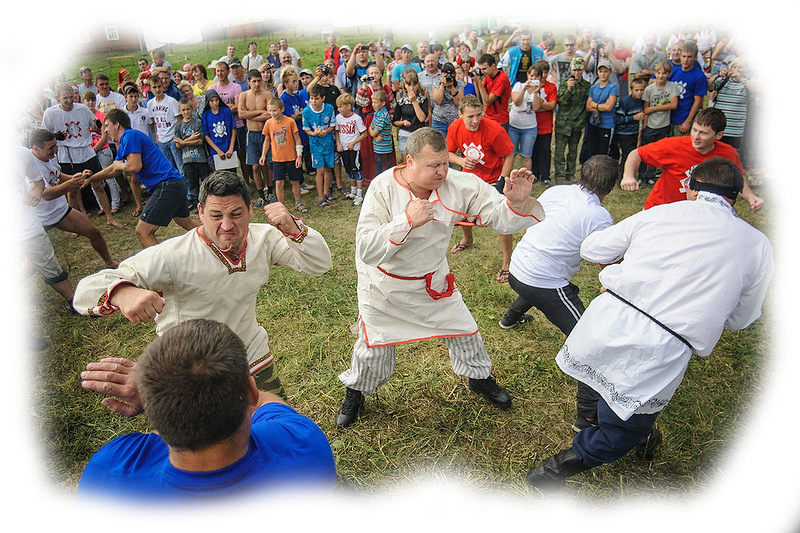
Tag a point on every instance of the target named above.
point(424, 421)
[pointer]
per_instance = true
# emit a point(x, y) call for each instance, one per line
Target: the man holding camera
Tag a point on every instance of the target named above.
point(570, 120)
point(495, 89)
point(359, 62)
point(70, 122)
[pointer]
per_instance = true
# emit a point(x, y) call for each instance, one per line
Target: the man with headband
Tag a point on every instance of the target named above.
point(665, 298)
point(676, 155)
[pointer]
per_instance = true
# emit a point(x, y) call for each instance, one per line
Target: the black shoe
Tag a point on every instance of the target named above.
point(489, 389)
point(647, 446)
point(551, 473)
point(345, 497)
point(582, 423)
point(31, 344)
point(507, 324)
point(348, 412)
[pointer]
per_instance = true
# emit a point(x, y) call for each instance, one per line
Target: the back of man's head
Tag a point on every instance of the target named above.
point(711, 117)
point(194, 381)
point(599, 174)
point(39, 137)
point(717, 175)
point(118, 116)
point(224, 183)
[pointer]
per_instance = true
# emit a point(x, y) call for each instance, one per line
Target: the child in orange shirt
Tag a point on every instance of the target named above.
point(282, 136)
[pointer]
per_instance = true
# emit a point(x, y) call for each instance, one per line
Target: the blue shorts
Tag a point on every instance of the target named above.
point(255, 142)
point(322, 160)
point(280, 170)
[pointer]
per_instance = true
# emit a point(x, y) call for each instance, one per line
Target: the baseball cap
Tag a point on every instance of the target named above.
point(345, 47)
point(407, 47)
point(604, 63)
point(577, 63)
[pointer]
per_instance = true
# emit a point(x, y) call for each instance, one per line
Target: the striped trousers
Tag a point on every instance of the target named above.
point(371, 367)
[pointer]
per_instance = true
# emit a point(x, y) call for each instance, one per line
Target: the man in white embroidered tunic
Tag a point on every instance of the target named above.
point(405, 289)
point(213, 271)
point(690, 269)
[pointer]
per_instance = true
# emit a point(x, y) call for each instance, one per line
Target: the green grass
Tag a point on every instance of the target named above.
point(423, 421)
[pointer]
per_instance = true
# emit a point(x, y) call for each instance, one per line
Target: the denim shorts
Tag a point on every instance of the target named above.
point(523, 140)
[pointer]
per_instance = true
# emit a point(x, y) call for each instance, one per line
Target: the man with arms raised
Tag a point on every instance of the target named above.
point(405, 289)
point(216, 434)
point(677, 156)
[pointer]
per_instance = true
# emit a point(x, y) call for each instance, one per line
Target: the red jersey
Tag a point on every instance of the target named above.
point(544, 119)
point(490, 145)
point(623, 54)
point(500, 87)
point(676, 156)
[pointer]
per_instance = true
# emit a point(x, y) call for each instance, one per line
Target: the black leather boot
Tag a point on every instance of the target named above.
point(348, 412)
point(551, 473)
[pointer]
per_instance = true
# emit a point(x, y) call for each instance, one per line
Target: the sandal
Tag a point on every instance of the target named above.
point(301, 208)
point(136, 212)
point(502, 276)
point(324, 204)
point(460, 247)
point(329, 198)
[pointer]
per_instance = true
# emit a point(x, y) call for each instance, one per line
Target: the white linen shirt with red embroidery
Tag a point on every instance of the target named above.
point(197, 281)
point(395, 309)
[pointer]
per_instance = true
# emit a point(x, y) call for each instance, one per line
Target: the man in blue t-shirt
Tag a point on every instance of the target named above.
point(217, 435)
point(694, 86)
point(138, 154)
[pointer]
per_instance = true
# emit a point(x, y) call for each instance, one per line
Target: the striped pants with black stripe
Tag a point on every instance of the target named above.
point(371, 367)
point(563, 308)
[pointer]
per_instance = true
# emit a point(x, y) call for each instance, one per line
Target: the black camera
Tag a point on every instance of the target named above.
point(367, 79)
point(476, 72)
point(60, 135)
point(325, 70)
point(449, 78)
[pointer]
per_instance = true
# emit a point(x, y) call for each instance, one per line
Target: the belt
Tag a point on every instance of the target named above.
point(668, 330)
point(428, 277)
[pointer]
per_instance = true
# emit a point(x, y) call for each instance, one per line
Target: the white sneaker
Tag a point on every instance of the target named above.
point(358, 200)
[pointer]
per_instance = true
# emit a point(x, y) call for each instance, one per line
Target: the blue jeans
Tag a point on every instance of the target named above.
point(523, 140)
point(173, 154)
point(612, 437)
point(441, 127)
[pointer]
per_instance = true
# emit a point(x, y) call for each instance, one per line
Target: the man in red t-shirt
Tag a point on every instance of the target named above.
point(623, 55)
point(677, 155)
point(481, 147)
point(495, 89)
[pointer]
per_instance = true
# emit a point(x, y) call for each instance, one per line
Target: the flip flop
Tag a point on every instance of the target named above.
point(136, 212)
point(502, 276)
point(459, 247)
